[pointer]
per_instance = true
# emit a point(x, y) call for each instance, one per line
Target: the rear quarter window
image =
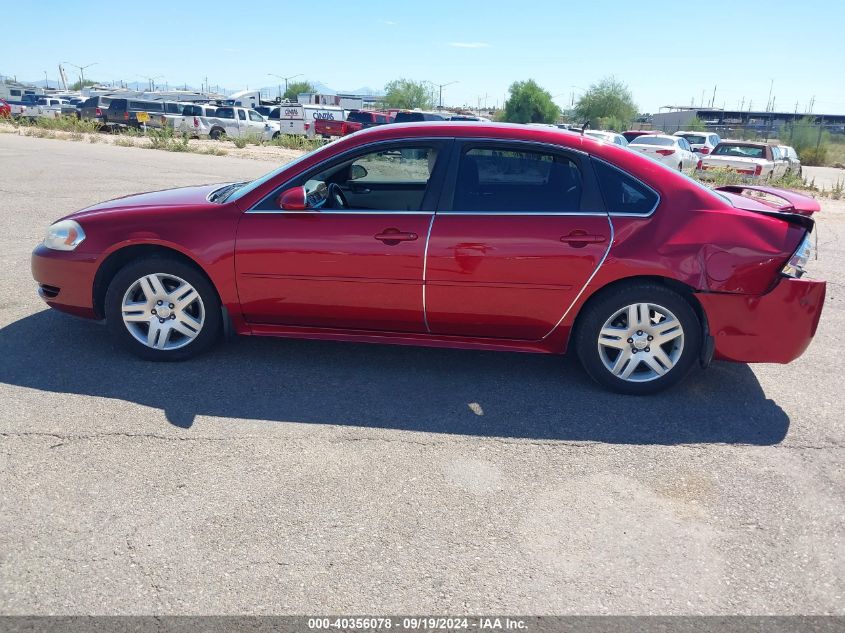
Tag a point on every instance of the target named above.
point(622, 193)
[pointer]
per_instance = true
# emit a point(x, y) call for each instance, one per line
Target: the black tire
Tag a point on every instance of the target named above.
point(597, 312)
point(216, 134)
point(276, 136)
point(126, 277)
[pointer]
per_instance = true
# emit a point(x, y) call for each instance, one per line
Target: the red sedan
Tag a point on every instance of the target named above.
point(481, 236)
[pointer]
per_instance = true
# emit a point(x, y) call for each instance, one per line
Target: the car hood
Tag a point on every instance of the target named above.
point(181, 197)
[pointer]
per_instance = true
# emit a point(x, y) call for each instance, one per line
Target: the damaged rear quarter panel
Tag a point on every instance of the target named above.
point(711, 250)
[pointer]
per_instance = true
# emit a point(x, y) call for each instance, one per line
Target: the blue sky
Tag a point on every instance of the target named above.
point(667, 52)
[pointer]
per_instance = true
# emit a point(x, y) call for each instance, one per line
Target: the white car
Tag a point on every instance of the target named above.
point(701, 142)
point(792, 161)
point(672, 151)
point(752, 160)
point(608, 137)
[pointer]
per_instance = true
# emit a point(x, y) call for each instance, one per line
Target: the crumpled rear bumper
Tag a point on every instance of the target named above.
point(773, 328)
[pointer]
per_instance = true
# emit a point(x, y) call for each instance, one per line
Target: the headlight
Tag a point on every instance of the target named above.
point(797, 264)
point(65, 235)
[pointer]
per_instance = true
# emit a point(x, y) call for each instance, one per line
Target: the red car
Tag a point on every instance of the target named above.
point(630, 135)
point(482, 236)
point(5, 109)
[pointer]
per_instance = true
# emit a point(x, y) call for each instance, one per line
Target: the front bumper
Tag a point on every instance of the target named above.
point(66, 280)
point(773, 328)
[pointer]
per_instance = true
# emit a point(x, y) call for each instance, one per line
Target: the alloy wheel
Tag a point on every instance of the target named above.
point(641, 342)
point(163, 311)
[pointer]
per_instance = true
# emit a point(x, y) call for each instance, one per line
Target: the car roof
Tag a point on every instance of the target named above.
point(730, 141)
point(669, 136)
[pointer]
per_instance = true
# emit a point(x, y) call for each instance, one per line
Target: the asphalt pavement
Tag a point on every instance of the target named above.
point(300, 477)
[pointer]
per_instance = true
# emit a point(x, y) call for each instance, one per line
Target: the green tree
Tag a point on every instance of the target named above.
point(529, 103)
point(695, 125)
point(80, 84)
point(408, 94)
point(608, 103)
point(295, 88)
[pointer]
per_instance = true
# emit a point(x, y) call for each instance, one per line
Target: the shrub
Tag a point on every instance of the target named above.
point(809, 140)
point(294, 141)
point(164, 138)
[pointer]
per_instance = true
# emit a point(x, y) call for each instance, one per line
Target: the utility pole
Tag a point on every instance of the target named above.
point(285, 79)
point(713, 98)
point(46, 81)
point(441, 86)
point(769, 100)
point(81, 71)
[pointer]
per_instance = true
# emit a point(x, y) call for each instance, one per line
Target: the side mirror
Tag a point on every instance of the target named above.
point(293, 199)
point(356, 172)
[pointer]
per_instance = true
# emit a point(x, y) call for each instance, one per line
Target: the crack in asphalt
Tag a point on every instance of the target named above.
point(131, 552)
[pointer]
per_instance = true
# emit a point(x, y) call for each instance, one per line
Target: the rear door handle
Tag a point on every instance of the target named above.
point(392, 237)
point(579, 239)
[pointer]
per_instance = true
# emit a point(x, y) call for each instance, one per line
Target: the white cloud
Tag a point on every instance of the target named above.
point(469, 44)
point(389, 22)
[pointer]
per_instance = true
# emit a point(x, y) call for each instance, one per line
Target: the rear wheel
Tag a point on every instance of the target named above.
point(216, 133)
point(161, 308)
point(638, 340)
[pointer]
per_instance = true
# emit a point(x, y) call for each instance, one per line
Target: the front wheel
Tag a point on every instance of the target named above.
point(161, 308)
point(638, 340)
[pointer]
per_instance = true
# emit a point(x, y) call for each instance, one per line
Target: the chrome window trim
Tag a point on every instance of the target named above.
point(336, 212)
point(425, 272)
point(625, 214)
point(586, 283)
point(522, 214)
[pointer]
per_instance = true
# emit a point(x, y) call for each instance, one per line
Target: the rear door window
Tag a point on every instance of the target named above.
point(511, 180)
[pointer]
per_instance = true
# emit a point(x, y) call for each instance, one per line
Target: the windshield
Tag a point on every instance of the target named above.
point(239, 193)
point(653, 140)
point(739, 151)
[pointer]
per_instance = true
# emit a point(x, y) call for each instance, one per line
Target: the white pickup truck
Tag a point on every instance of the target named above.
point(236, 122)
point(193, 120)
point(44, 107)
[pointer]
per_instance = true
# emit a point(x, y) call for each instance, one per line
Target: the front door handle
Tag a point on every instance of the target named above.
point(392, 237)
point(579, 239)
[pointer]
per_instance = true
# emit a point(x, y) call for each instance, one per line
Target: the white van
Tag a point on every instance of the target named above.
point(296, 118)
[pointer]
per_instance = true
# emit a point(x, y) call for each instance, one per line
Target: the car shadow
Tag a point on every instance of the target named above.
point(432, 390)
